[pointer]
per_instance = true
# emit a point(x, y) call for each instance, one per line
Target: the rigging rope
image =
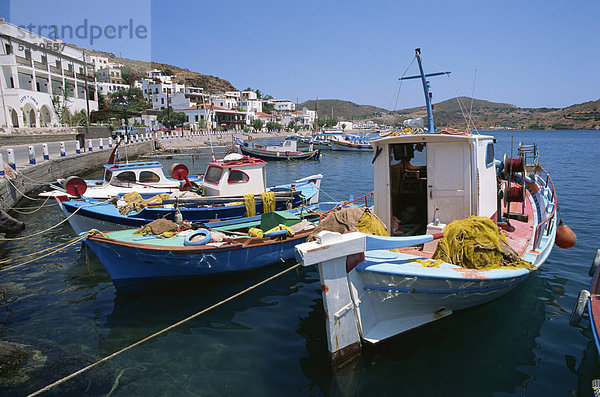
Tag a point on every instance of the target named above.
point(154, 335)
point(22, 194)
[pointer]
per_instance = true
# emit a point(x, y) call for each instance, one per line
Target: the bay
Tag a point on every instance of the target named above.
point(271, 341)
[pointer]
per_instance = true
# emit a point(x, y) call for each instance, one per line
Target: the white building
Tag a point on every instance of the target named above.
point(109, 88)
point(227, 100)
point(34, 70)
point(213, 117)
point(109, 74)
point(249, 102)
point(98, 62)
point(282, 105)
point(344, 125)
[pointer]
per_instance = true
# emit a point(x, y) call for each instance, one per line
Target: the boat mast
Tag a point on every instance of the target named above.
point(426, 91)
point(423, 76)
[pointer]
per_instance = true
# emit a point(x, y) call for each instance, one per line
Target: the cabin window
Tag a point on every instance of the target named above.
point(236, 176)
point(148, 176)
point(489, 155)
point(107, 176)
point(124, 179)
point(213, 174)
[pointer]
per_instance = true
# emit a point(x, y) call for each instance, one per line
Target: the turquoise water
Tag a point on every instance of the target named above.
point(271, 341)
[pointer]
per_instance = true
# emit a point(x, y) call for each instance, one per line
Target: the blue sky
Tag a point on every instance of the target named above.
point(537, 53)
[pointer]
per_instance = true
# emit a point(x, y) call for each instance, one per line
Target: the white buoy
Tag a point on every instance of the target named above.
point(577, 313)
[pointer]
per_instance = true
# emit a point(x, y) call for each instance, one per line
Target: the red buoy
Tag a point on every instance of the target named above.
point(179, 171)
point(75, 186)
point(565, 237)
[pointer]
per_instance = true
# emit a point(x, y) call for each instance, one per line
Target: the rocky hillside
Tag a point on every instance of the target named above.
point(211, 84)
point(485, 114)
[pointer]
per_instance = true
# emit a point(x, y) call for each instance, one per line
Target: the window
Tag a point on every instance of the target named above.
point(148, 176)
point(124, 179)
point(107, 176)
point(236, 176)
point(489, 155)
point(213, 174)
point(8, 49)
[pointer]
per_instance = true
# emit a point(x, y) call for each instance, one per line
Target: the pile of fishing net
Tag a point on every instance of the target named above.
point(351, 219)
point(477, 243)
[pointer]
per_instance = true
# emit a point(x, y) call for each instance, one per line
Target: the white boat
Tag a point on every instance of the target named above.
point(144, 177)
point(422, 183)
point(351, 143)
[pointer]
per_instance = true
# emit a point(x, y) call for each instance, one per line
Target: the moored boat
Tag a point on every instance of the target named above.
point(351, 143)
point(291, 149)
point(144, 177)
point(233, 187)
point(136, 262)
point(466, 229)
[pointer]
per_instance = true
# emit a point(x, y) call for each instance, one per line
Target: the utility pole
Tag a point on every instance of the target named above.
point(87, 93)
point(168, 113)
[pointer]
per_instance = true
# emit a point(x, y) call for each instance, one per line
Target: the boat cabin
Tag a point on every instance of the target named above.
point(126, 175)
point(235, 175)
point(425, 181)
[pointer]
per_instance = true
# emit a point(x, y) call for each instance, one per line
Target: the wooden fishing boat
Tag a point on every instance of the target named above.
point(233, 187)
point(144, 177)
point(430, 188)
point(291, 149)
point(139, 262)
point(351, 143)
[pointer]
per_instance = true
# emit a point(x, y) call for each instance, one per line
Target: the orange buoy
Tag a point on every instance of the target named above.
point(565, 237)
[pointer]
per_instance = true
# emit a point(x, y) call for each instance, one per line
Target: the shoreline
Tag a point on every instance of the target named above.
point(226, 139)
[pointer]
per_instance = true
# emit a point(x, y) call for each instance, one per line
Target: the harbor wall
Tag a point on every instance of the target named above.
point(31, 179)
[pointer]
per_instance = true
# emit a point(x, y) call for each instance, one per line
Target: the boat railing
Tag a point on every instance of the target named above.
point(545, 182)
point(343, 204)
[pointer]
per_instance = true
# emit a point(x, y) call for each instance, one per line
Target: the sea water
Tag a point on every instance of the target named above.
point(271, 341)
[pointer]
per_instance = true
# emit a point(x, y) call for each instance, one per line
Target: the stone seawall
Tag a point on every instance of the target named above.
point(24, 182)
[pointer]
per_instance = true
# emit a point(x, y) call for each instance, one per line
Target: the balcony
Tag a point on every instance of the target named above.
point(23, 61)
point(69, 73)
point(41, 65)
point(54, 69)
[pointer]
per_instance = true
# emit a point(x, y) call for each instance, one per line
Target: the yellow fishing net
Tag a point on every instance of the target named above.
point(477, 243)
point(249, 201)
point(369, 223)
point(268, 199)
point(135, 202)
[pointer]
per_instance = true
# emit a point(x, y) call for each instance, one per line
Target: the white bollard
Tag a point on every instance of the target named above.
point(137, 138)
point(100, 144)
point(63, 152)
point(31, 155)
point(77, 147)
point(10, 153)
point(46, 152)
point(110, 142)
point(1, 164)
point(90, 146)
point(126, 137)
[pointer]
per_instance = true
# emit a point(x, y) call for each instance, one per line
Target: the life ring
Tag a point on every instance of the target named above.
point(187, 240)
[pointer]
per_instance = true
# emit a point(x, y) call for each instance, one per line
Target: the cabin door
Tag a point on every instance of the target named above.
point(448, 181)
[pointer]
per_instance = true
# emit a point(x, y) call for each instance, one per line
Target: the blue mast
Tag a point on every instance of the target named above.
point(422, 76)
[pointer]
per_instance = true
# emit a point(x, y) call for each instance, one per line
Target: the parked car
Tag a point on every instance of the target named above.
point(121, 131)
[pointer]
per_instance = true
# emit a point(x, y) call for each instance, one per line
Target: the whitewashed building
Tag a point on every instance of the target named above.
point(110, 74)
point(109, 88)
point(213, 117)
point(282, 105)
point(35, 70)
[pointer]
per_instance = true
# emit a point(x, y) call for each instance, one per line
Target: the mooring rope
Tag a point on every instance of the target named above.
point(54, 250)
point(22, 194)
point(154, 335)
point(19, 210)
point(52, 227)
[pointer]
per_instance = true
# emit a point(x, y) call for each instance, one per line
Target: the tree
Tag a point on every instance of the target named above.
point(270, 126)
point(128, 75)
point(343, 126)
point(171, 119)
point(167, 71)
point(291, 125)
point(257, 124)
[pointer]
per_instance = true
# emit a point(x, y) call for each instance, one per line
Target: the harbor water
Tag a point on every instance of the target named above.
point(271, 341)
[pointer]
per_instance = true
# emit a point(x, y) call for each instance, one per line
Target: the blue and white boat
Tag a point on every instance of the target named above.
point(141, 262)
point(427, 185)
point(225, 184)
point(144, 177)
point(351, 143)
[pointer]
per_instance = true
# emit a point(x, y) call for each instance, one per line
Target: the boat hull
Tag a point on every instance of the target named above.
point(277, 155)
point(135, 266)
point(343, 146)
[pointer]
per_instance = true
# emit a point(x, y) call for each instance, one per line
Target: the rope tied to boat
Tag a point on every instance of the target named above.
point(154, 335)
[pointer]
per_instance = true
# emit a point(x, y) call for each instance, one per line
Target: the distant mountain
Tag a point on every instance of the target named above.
point(485, 114)
point(211, 84)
